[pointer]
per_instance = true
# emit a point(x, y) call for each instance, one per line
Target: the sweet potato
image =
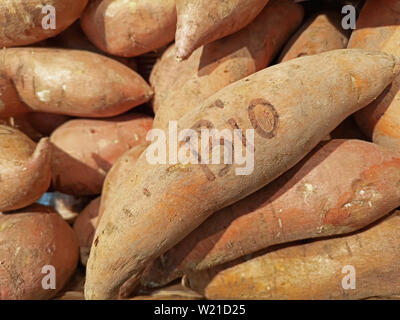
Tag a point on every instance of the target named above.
point(130, 28)
point(117, 174)
point(322, 32)
point(341, 187)
point(378, 29)
point(313, 270)
point(201, 22)
point(85, 226)
point(24, 169)
point(21, 20)
point(86, 223)
point(290, 106)
point(69, 82)
point(30, 240)
point(84, 150)
point(212, 67)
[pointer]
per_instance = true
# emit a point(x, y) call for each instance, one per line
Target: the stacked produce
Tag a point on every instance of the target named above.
point(245, 149)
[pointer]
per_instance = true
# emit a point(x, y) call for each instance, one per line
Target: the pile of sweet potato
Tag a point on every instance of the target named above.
point(92, 92)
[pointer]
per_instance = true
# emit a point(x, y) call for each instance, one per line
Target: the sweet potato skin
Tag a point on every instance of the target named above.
point(181, 86)
point(117, 174)
point(46, 123)
point(21, 20)
point(31, 239)
point(322, 32)
point(24, 169)
point(74, 38)
point(69, 82)
point(313, 271)
point(85, 149)
point(341, 187)
point(378, 29)
point(130, 28)
point(85, 227)
point(158, 205)
point(201, 22)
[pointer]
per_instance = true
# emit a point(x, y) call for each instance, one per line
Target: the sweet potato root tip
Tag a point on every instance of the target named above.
point(201, 22)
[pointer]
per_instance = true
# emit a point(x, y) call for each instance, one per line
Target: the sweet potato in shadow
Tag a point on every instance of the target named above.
point(85, 227)
point(342, 186)
point(33, 242)
point(288, 109)
point(322, 32)
point(181, 86)
point(378, 28)
point(319, 270)
point(69, 82)
point(24, 169)
point(85, 149)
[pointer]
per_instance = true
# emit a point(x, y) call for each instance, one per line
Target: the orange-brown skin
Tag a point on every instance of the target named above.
point(201, 22)
point(22, 124)
point(69, 82)
point(117, 174)
point(130, 28)
point(292, 106)
point(378, 28)
point(313, 270)
point(75, 38)
point(84, 150)
point(85, 227)
point(24, 169)
point(31, 239)
point(86, 223)
point(21, 20)
point(45, 123)
point(322, 32)
point(181, 86)
point(341, 187)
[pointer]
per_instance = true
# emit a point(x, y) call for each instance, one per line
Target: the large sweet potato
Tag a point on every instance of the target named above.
point(69, 82)
point(289, 108)
point(84, 150)
point(341, 187)
point(314, 270)
point(21, 21)
point(24, 169)
point(34, 242)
